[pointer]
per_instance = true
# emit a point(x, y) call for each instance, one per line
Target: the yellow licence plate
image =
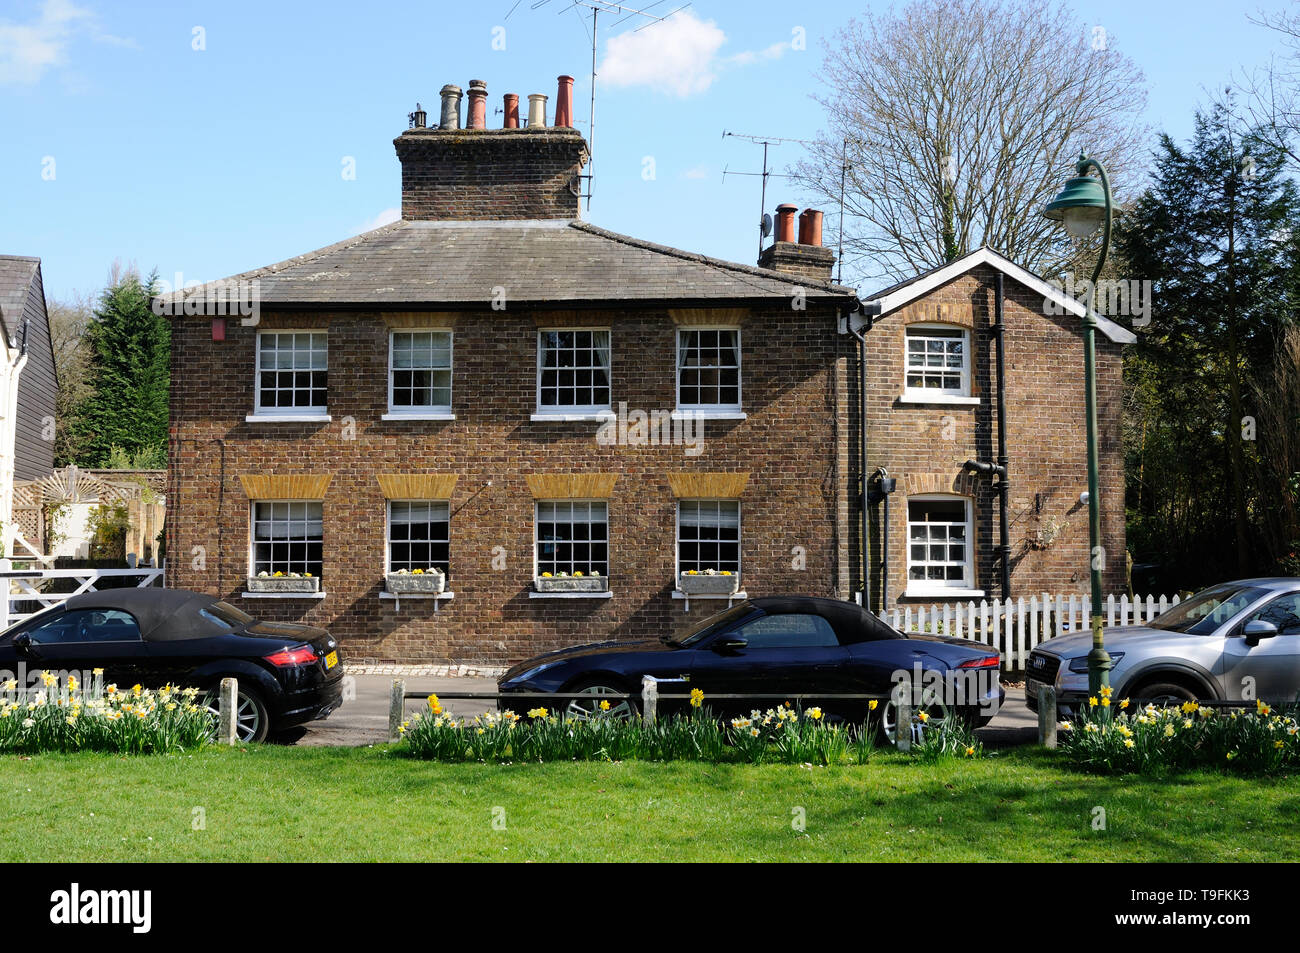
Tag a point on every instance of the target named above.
point(331, 660)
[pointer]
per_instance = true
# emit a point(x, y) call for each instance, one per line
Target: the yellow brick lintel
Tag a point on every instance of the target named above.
point(690, 485)
point(285, 486)
point(698, 317)
point(417, 486)
point(572, 486)
point(442, 320)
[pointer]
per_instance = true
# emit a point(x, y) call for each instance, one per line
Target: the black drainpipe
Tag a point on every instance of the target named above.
point(999, 469)
point(885, 485)
point(869, 311)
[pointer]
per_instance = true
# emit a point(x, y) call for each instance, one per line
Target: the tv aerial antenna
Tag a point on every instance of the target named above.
point(764, 219)
point(624, 13)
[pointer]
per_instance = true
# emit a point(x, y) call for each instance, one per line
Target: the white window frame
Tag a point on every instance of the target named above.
point(314, 412)
point(572, 411)
point(740, 534)
point(936, 394)
point(252, 532)
point(925, 587)
point(710, 410)
point(430, 411)
point(537, 504)
point(388, 532)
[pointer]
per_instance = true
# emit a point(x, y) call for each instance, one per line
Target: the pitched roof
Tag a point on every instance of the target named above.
point(534, 262)
point(895, 296)
point(16, 274)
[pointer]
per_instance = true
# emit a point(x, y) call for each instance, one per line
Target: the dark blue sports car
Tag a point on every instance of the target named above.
point(772, 648)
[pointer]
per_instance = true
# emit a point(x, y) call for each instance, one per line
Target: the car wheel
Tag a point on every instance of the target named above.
point(1164, 694)
point(253, 721)
point(938, 713)
point(588, 705)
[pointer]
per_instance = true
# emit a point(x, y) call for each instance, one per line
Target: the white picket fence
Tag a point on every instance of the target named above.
point(1015, 626)
point(31, 586)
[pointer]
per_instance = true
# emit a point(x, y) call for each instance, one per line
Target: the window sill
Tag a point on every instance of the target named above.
point(941, 594)
point(437, 597)
point(534, 594)
point(283, 595)
point(731, 597)
point(952, 400)
point(430, 415)
point(681, 414)
point(593, 416)
point(288, 419)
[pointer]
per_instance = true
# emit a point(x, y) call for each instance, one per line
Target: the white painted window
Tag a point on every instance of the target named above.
point(292, 372)
point(573, 370)
point(419, 372)
point(418, 535)
point(708, 535)
point(572, 536)
point(937, 360)
point(940, 554)
point(708, 369)
point(287, 537)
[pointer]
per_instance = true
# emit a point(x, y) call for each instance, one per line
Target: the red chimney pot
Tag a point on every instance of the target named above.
point(564, 102)
point(477, 104)
point(218, 329)
point(785, 222)
point(512, 110)
point(810, 227)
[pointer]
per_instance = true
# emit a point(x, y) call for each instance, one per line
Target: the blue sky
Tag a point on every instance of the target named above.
point(122, 140)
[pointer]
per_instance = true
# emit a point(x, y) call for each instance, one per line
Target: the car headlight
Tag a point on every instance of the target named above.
point(1079, 666)
point(534, 672)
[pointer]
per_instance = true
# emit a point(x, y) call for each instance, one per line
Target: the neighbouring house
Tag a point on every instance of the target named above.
point(28, 385)
point(570, 423)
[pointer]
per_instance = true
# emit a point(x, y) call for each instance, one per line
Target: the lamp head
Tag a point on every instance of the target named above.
point(1081, 205)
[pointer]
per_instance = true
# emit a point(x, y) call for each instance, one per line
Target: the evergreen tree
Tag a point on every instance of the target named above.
point(1218, 234)
point(129, 375)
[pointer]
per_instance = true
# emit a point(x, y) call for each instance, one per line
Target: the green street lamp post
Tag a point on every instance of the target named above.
point(1083, 204)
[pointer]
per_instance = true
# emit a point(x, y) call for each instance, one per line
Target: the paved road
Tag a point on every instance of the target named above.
point(364, 719)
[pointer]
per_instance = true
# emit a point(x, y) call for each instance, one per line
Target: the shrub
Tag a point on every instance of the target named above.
point(67, 718)
point(1151, 740)
point(783, 735)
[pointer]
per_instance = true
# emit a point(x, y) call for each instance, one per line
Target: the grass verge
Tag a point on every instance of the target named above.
point(263, 803)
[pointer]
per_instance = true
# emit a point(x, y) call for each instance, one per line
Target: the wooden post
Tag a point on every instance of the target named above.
point(1047, 716)
point(903, 729)
point(396, 709)
point(649, 699)
point(228, 708)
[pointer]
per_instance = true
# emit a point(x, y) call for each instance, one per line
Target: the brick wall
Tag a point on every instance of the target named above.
point(924, 446)
point(791, 446)
point(485, 174)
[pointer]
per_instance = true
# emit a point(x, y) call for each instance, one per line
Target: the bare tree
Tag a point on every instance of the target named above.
point(958, 119)
point(68, 323)
point(1272, 102)
point(1277, 393)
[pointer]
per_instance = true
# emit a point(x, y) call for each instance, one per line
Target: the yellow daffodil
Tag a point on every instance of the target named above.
point(1128, 742)
point(537, 713)
point(697, 697)
point(815, 714)
point(1105, 691)
point(924, 716)
point(604, 705)
point(1105, 701)
point(1123, 704)
point(1092, 702)
point(970, 751)
point(435, 706)
point(871, 705)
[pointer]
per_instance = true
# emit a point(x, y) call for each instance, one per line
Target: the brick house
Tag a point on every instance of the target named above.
point(497, 389)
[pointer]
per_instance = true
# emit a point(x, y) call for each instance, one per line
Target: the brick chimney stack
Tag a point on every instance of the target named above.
point(805, 258)
point(479, 174)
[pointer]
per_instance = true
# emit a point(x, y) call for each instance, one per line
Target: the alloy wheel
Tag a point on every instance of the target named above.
point(584, 708)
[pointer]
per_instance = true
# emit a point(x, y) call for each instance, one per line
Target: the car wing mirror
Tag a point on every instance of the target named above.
point(729, 643)
point(1257, 629)
point(24, 647)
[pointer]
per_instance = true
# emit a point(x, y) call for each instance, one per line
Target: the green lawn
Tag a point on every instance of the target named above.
point(272, 803)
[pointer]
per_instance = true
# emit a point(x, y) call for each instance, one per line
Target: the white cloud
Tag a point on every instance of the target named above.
point(27, 50)
point(386, 217)
point(681, 55)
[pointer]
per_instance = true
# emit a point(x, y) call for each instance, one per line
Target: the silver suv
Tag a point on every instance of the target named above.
point(1235, 641)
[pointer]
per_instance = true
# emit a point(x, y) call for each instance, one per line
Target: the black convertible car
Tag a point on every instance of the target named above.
point(288, 674)
point(771, 648)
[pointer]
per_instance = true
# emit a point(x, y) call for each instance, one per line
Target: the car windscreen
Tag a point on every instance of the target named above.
point(227, 614)
point(1204, 612)
point(698, 631)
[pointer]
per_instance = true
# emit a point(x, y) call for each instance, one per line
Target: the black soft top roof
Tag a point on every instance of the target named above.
point(165, 615)
point(848, 619)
